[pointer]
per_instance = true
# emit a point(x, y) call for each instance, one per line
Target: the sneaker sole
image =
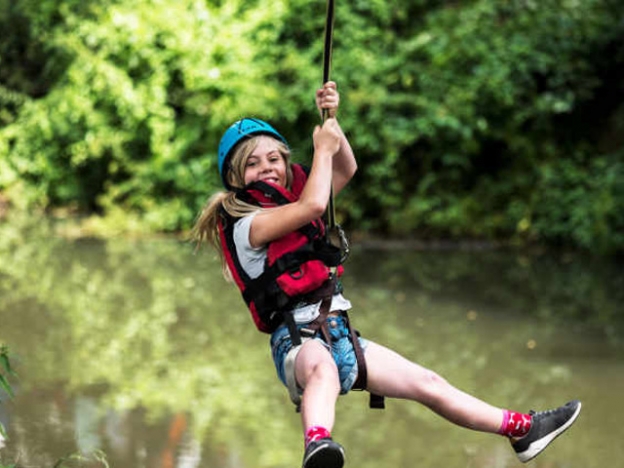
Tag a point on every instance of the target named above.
point(536, 447)
point(325, 457)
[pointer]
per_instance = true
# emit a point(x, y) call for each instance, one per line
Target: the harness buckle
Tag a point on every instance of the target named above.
point(339, 240)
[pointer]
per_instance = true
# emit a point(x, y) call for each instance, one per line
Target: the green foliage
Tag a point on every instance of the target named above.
point(579, 202)
point(79, 459)
point(469, 103)
point(461, 115)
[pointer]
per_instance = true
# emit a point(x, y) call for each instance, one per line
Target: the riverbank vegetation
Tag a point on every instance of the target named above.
point(482, 120)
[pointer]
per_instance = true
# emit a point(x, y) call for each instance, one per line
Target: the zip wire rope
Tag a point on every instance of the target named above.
point(327, 56)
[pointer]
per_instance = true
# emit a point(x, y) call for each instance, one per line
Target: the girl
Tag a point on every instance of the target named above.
point(268, 230)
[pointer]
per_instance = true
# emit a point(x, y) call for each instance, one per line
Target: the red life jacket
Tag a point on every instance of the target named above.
point(297, 265)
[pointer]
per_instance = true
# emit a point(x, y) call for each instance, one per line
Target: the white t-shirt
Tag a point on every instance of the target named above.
point(252, 260)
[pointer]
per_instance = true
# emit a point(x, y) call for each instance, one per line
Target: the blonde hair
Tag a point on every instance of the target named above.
point(206, 227)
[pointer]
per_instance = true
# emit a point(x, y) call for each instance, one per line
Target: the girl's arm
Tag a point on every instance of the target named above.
point(344, 165)
point(274, 223)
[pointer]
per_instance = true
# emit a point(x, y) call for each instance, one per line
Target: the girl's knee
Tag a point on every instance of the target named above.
point(433, 387)
point(324, 373)
point(435, 379)
point(325, 370)
point(316, 364)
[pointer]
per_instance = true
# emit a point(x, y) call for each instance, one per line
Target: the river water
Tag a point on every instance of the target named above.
point(136, 353)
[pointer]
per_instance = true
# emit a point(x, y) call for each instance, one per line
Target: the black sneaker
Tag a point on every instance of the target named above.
point(545, 427)
point(323, 453)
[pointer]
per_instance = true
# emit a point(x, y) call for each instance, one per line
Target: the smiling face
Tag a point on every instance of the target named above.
point(266, 163)
point(256, 152)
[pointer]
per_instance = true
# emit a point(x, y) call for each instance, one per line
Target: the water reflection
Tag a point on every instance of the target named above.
point(138, 349)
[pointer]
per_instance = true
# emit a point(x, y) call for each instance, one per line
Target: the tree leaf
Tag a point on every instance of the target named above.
point(6, 386)
point(4, 360)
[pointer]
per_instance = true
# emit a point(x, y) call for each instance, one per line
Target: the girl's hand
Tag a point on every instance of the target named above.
point(327, 138)
point(328, 98)
point(275, 223)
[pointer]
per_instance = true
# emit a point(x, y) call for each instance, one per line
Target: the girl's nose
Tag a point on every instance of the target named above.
point(265, 166)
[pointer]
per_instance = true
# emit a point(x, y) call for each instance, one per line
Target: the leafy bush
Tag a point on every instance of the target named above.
point(461, 115)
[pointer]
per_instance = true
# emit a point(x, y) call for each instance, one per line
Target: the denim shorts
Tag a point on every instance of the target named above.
point(341, 349)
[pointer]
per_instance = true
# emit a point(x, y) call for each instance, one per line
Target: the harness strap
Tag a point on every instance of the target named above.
point(321, 320)
point(375, 401)
point(319, 325)
point(293, 331)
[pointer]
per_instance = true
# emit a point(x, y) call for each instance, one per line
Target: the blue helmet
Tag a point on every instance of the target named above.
point(237, 132)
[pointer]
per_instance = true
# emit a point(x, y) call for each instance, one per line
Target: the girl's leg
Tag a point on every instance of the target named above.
point(317, 374)
point(392, 375)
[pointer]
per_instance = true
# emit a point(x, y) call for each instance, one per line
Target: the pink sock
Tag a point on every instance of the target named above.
point(315, 433)
point(515, 424)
